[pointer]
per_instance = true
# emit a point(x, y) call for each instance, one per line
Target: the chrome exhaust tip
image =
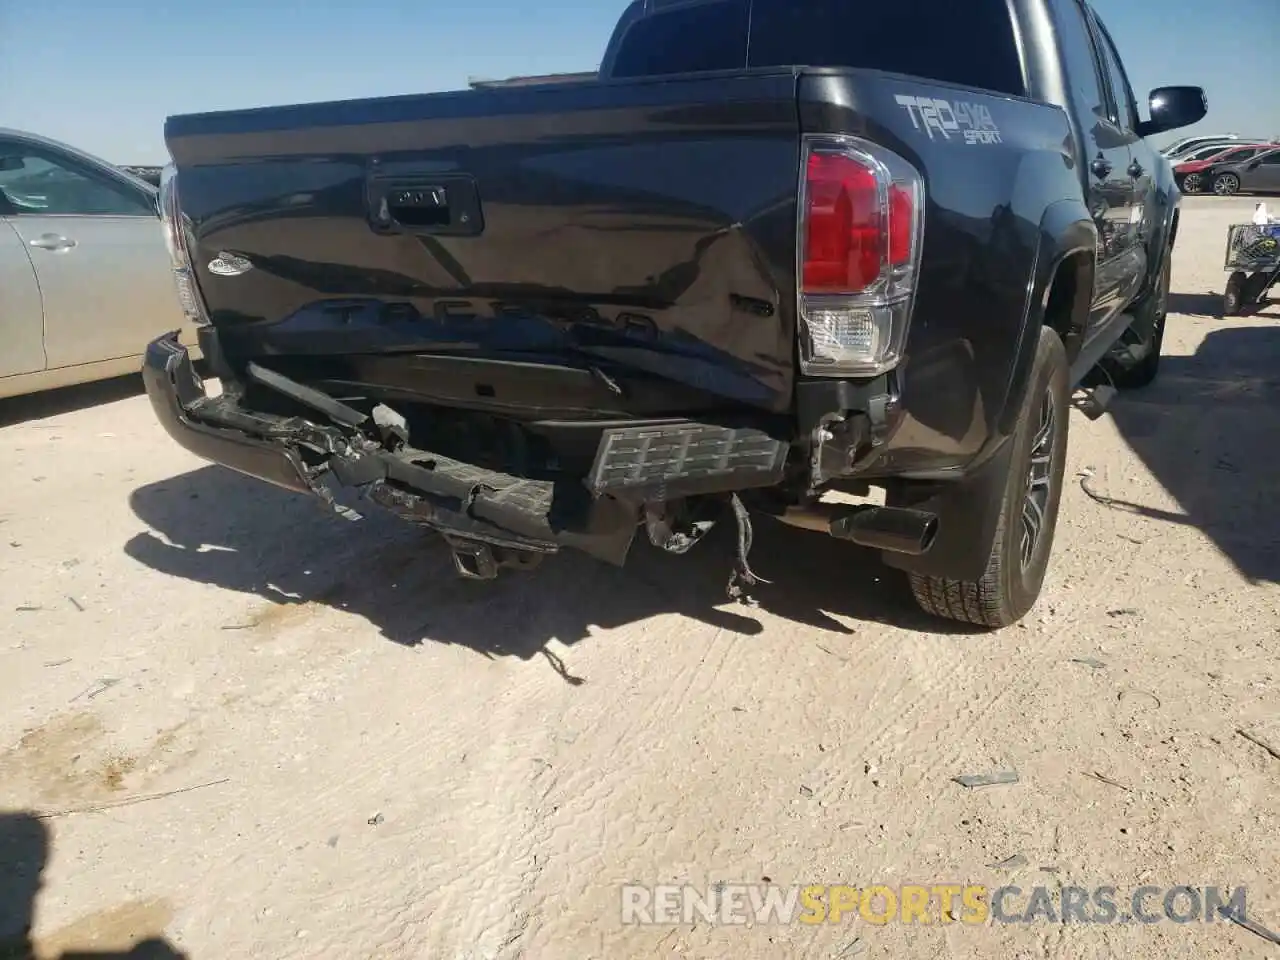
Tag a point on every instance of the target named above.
point(895, 529)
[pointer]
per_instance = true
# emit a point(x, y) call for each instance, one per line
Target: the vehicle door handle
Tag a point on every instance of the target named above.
point(53, 241)
point(1101, 167)
point(1135, 170)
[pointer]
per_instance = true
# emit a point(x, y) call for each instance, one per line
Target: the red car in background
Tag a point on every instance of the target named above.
point(1190, 175)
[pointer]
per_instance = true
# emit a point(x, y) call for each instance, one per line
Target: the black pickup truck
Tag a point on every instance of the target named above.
point(779, 250)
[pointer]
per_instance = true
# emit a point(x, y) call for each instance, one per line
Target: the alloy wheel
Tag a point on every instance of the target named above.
point(1039, 477)
point(1226, 184)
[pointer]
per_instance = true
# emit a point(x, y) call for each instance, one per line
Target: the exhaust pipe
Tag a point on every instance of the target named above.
point(895, 529)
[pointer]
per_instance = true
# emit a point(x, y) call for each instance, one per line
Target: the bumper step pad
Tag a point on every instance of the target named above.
point(658, 463)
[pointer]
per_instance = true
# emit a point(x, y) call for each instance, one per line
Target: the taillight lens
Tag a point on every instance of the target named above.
point(862, 220)
point(901, 224)
point(175, 239)
point(842, 225)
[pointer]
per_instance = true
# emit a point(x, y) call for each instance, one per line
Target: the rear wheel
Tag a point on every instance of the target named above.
point(1226, 184)
point(1024, 536)
point(1233, 297)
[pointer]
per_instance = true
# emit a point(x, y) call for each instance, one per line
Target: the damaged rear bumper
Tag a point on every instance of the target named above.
point(173, 388)
point(490, 518)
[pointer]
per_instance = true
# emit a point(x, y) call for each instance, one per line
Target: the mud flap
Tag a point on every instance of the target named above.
point(968, 512)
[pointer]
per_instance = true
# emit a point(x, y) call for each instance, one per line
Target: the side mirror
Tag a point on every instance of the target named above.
point(1254, 165)
point(1174, 107)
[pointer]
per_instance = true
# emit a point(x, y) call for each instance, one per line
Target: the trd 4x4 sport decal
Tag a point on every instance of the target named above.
point(971, 122)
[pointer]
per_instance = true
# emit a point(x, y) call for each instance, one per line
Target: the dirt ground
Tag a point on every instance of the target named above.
point(380, 761)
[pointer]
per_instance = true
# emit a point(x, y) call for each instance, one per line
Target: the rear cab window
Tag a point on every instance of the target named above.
point(970, 43)
point(690, 38)
point(967, 42)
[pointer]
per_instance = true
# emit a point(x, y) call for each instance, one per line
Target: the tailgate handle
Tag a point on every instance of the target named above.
point(448, 204)
point(426, 206)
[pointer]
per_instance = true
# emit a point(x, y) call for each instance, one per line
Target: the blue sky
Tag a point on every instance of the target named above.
point(103, 76)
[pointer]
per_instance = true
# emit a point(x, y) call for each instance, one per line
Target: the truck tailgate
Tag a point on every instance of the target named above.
point(647, 228)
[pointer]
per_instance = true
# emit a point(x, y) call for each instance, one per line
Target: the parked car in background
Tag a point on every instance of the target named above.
point(150, 174)
point(1179, 147)
point(1206, 152)
point(85, 279)
point(1203, 150)
point(1190, 173)
point(1260, 174)
point(1209, 151)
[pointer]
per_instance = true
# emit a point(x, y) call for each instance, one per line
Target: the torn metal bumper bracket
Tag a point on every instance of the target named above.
point(476, 560)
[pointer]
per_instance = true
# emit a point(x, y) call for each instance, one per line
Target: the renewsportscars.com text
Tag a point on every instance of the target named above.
point(971, 904)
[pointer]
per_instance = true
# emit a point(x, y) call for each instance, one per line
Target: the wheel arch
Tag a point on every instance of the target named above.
point(1163, 234)
point(1060, 294)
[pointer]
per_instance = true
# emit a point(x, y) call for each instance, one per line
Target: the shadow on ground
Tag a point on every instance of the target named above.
point(1196, 304)
point(1207, 430)
point(24, 850)
point(214, 526)
point(52, 403)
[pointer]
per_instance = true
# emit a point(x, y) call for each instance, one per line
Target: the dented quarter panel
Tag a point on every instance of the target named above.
point(992, 165)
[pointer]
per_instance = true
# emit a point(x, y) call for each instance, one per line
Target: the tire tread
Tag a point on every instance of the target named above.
point(979, 602)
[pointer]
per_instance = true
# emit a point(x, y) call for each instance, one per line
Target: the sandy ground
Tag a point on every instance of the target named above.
point(392, 763)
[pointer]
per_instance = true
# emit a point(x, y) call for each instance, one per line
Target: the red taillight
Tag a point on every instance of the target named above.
point(843, 225)
point(849, 234)
point(901, 218)
point(860, 228)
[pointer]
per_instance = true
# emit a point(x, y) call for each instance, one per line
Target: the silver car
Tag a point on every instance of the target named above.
point(85, 277)
point(1199, 149)
point(1181, 147)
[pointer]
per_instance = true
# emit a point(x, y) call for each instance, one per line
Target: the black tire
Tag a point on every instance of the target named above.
point(1233, 296)
point(1011, 584)
point(1191, 183)
point(1226, 184)
point(1149, 315)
